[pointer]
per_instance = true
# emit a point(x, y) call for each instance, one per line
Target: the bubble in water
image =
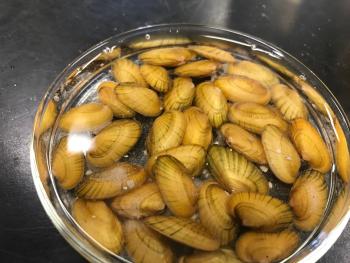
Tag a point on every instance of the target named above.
point(264, 168)
point(88, 172)
point(125, 188)
point(126, 156)
point(147, 36)
point(270, 185)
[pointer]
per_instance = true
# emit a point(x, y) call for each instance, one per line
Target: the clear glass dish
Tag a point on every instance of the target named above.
point(77, 84)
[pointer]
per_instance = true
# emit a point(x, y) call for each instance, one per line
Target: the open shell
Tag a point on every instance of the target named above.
point(145, 245)
point(308, 199)
point(213, 213)
point(342, 156)
point(117, 179)
point(99, 222)
point(254, 117)
point(183, 230)
point(213, 103)
point(260, 211)
point(281, 155)
point(126, 71)
point(234, 172)
point(142, 100)
point(243, 89)
point(167, 57)
point(48, 118)
point(158, 42)
point(254, 71)
point(289, 102)
point(223, 255)
point(107, 95)
point(181, 94)
point(310, 145)
point(86, 117)
point(213, 53)
point(198, 129)
point(252, 247)
point(67, 165)
point(244, 142)
point(201, 68)
point(191, 156)
point(167, 132)
point(177, 188)
point(113, 142)
point(140, 202)
point(157, 77)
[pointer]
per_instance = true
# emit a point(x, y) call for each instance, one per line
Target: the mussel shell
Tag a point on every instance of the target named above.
point(213, 103)
point(142, 100)
point(213, 213)
point(260, 211)
point(177, 188)
point(254, 71)
point(48, 118)
point(310, 145)
point(168, 57)
point(107, 95)
point(99, 222)
point(167, 132)
point(244, 142)
point(201, 68)
point(146, 245)
point(183, 230)
point(126, 71)
point(157, 77)
point(342, 156)
point(308, 198)
point(238, 88)
point(234, 172)
point(140, 202)
point(281, 154)
point(274, 63)
point(181, 94)
point(67, 165)
point(254, 117)
point(42, 165)
point(198, 129)
point(113, 142)
point(117, 179)
point(223, 255)
point(158, 42)
point(213, 53)
point(191, 156)
point(289, 102)
point(255, 247)
point(86, 117)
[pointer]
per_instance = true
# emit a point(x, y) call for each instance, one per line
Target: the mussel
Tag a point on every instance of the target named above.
point(67, 165)
point(158, 42)
point(281, 155)
point(116, 180)
point(110, 144)
point(238, 88)
point(99, 222)
point(140, 202)
point(86, 117)
point(254, 117)
point(126, 71)
point(263, 212)
point(223, 255)
point(183, 230)
point(308, 198)
point(213, 212)
point(201, 68)
point(234, 172)
point(244, 142)
point(213, 103)
point(180, 95)
point(167, 131)
point(177, 188)
point(310, 145)
point(254, 247)
point(342, 156)
point(146, 245)
point(213, 53)
point(48, 118)
point(156, 76)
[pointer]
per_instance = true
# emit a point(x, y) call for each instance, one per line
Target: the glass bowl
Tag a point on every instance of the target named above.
point(77, 84)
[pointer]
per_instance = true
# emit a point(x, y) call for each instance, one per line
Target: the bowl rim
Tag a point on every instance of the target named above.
point(49, 208)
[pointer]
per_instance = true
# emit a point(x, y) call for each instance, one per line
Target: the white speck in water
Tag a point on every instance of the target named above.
point(15, 85)
point(161, 108)
point(125, 187)
point(206, 164)
point(144, 152)
point(205, 174)
point(56, 98)
point(216, 142)
point(264, 168)
point(126, 156)
point(270, 185)
point(88, 172)
point(177, 30)
point(147, 36)
point(288, 158)
point(302, 77)
point(230, 150)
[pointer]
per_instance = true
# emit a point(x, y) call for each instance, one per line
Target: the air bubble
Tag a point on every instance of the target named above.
point(147, 36)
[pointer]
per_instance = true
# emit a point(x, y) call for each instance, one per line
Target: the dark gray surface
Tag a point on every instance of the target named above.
point(38, 38)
